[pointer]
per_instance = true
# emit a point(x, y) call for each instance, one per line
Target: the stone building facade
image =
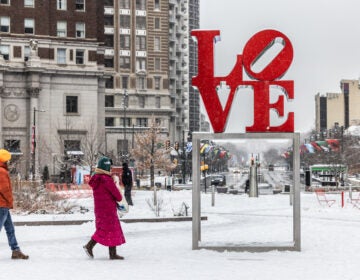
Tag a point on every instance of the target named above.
point(51, 82)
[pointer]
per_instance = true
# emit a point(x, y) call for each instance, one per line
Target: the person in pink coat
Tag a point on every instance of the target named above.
point(106, 194)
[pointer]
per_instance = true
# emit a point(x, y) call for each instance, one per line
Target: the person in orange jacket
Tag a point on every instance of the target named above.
point(6, 203)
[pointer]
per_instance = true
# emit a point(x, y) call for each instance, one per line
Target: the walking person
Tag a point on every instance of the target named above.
point(127, 181)
point(6, 203)
point(106, 194)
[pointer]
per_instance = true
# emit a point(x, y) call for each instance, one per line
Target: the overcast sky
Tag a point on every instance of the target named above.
point(325, 35)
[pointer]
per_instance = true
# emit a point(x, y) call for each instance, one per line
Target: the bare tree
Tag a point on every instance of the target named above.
point(150, 152)
point(91, 145)
point(271, 156)
point(69, 139)
point(351, 152)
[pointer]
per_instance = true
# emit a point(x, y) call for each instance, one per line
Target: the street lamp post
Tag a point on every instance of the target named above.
point(125, 98)
point(34, 142)
point(183, 158)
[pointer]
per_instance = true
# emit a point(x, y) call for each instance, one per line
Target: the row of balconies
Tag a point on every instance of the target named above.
point(111, 52)
point(110, 30)
point(111, 11)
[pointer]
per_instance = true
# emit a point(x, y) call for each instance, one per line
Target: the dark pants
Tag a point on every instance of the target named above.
point(128, 195)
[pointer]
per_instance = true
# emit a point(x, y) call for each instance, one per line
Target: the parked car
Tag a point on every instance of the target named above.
point(218, 180)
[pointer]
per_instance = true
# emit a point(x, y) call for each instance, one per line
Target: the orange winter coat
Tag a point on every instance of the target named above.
point(6, 196)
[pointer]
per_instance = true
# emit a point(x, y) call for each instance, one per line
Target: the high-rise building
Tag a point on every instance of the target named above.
point(341, 109)
point(194, 96)
point(150, 59)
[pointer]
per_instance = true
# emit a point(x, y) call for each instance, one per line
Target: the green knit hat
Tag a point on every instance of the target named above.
point(104, 163)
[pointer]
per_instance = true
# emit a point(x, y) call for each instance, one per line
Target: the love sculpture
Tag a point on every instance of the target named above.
point(207, 83)
point(261, 81)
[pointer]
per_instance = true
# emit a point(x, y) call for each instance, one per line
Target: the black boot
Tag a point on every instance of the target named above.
point(89, 247)
point(113, 255)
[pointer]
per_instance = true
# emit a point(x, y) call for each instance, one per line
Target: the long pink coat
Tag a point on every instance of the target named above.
point(108, 229)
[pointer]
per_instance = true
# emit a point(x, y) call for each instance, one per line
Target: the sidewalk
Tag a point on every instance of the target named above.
point(80, 222)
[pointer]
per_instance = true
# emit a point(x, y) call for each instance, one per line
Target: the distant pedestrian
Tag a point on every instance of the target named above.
point(247, 185)
point(6, 203)
point(127, 181)
point(106, 194)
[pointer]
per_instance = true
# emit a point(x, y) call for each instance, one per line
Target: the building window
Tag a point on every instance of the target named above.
point(157, 64)
point(157, 23)
point(61, 4)
point(26, 53)
point(157, 44)
point(5, 51)
point(124, 21)
point(125, 81)
point(140, 43)
point(109, 41)
point(72, 145)
point(124, 41)
point(28, 3)
point(61, 56)
point(109, 62)
point(80, 5)
point(157, 102)
point(126, 122)
point(5, 24)
point(140, 22)
point(109, 20)
point(109, 122)
point(140, 64)
point(157, 5)
point(61, 30)
point(80, 30)
point(125, 62)
point(80, 54)
point(141, 122)
point(141, 82)
point(109, 101)
point(29, 26)
point(122, 146)
point(157, 82)
point(124, 4)
point(13, 146)
point(142, 101)
point(109, 82)
point(140, 4)
point(71, 104)
point(5, 2)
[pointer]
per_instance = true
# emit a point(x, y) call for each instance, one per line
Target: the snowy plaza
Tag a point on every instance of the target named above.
point(162, 250)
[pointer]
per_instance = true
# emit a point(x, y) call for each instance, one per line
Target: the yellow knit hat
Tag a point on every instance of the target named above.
point(4, 155)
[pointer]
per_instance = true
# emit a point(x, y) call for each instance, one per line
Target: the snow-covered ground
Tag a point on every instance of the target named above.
point(330, 242)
